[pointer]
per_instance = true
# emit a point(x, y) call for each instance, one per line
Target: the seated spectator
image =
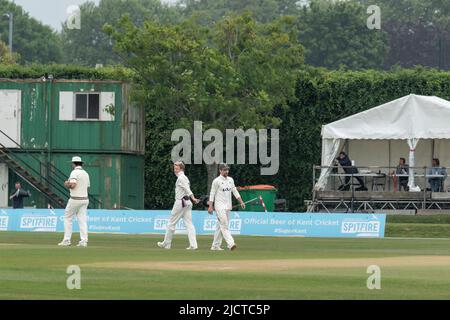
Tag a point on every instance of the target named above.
point(437, 183)
point(402, 169)
point(346, 165)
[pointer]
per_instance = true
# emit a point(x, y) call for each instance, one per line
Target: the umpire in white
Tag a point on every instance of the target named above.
point(78, 185)
point(220, 200)
point(182, 208)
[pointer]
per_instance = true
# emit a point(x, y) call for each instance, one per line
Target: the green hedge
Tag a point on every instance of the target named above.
point(323, 97)
point(61, 71)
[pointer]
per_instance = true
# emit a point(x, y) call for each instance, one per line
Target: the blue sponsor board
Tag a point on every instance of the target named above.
point(241, 223)
point(4, 220)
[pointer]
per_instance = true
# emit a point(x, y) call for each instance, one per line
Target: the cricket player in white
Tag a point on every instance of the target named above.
point(220, 198)
point(182, 208)
point(78, 185)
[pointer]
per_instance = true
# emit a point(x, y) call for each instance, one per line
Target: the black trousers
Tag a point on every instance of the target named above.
point(360, 180)
point(403, 183)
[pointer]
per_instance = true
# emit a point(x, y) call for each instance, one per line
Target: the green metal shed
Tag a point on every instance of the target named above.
point(45, 122)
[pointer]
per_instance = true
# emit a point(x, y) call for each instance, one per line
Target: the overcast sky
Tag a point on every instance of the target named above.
point(52, 12)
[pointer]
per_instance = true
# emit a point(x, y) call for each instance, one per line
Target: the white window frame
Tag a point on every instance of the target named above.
point(67, 106)
point(87, 106)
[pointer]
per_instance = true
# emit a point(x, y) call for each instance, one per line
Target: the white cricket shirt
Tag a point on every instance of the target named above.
point(182, 187)
point(81, 178)
point(221, 190)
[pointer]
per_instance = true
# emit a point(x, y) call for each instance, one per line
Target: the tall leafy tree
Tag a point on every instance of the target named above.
point(262, 10)
point(90, 45)
point(335, 34)
point(34, 41)
point(418, 32)
point(6, 57)
point(231, 77)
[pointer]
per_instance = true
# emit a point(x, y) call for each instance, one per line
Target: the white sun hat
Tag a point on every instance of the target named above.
point(76, 159)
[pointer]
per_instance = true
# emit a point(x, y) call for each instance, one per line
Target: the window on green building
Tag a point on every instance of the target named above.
point(87, 106)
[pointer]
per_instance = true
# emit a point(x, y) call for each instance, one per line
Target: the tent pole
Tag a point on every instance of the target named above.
point(389, 166)
point(353, 194)
point(424, 205)
point(432, 148)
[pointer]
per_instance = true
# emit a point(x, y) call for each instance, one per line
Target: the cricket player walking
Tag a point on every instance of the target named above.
point(78, 185)
point(220, 201)
point(182, 208)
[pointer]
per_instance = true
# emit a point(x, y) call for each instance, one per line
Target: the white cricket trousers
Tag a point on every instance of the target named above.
point(222, 231)
point(179, 212)
point(76, 208)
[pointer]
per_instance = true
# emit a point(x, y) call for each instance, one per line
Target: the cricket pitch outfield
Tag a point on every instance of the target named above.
point(32, 266)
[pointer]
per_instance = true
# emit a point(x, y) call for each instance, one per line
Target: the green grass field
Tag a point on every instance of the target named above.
point(133, 267)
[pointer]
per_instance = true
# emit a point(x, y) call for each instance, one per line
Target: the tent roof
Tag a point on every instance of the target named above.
point(412, 116)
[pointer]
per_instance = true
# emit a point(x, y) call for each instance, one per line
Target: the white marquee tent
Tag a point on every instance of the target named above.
point(378, 133)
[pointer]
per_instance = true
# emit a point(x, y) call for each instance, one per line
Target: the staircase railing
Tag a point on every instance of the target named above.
point(23, 166)
point(50, 198)
point(57, 173)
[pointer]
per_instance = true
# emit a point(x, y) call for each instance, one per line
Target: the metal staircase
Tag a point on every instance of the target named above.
point(51, 188)
point(55, 200)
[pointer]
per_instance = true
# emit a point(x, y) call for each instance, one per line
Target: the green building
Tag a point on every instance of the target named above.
point(44, 122)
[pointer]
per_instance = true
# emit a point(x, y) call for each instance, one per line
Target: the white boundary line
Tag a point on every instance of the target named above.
point(409, 238)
